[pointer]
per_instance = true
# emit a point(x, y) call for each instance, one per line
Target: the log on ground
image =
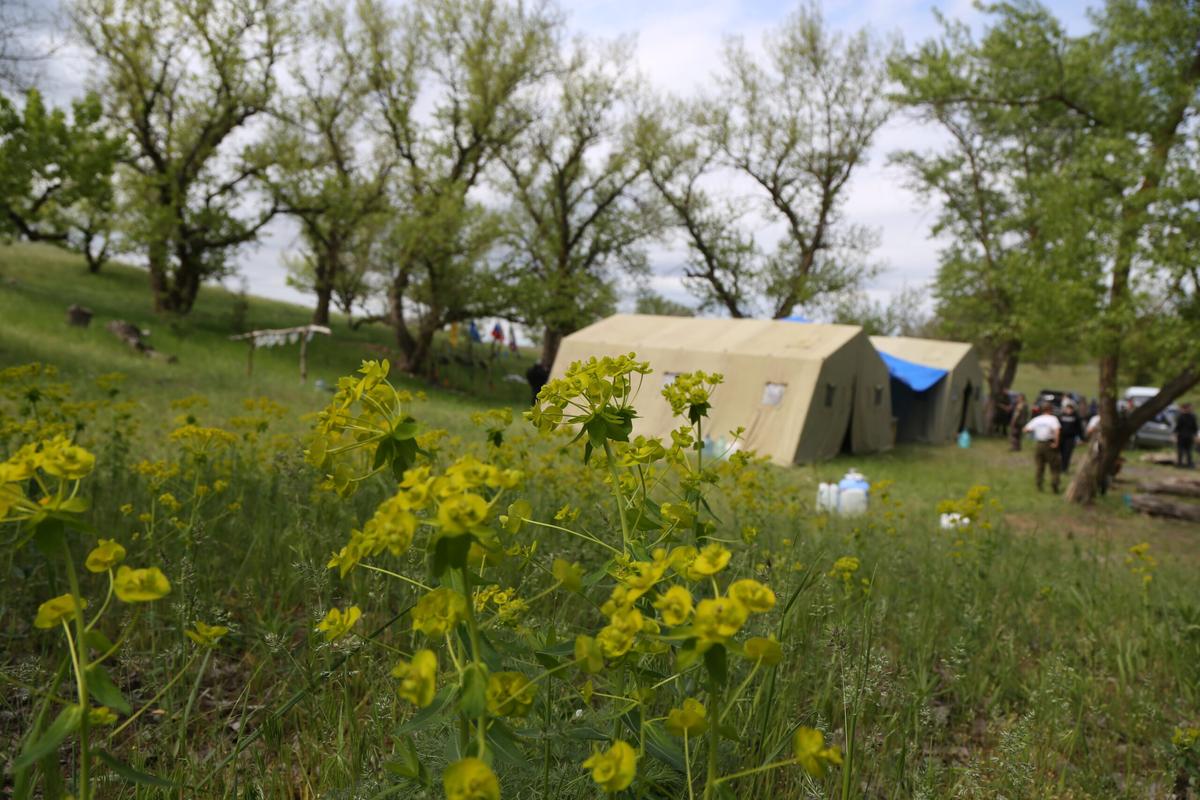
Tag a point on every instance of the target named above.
point(1158, 506)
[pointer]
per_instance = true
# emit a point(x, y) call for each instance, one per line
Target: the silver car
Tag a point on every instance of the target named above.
point(1158, 432)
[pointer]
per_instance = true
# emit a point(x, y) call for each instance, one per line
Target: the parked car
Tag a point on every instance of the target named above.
point(1158, 432)
point(1056, 396)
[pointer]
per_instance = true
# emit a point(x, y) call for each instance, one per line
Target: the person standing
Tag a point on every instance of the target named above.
point(1185, 436)
point(1072, 432)
point(537, 375)
point(1046, 428)
point(1016, 422)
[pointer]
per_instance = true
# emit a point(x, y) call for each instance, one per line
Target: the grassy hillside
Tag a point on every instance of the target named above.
point(1030, 653)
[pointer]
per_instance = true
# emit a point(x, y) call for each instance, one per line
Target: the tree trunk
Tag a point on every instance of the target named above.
point(1002, 368)
point(159, 274)
point(325, 271)
point(321, 312)
point(551, 341)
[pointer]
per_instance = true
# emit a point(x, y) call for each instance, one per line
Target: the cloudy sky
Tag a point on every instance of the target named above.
point(678, 45)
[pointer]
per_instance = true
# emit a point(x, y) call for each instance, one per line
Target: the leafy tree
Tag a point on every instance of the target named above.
point(178, 78)
point(27, 39)
point(797, 126)
point(580, 213)
point(903, 315)
point(1119, 209)
point(651, 302)
point(315, 161)
point(991, 182)
point(56, 175)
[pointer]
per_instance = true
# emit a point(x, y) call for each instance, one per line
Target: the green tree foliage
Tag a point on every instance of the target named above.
point(451, 81)
point(1117, 209)
point(795, 126)
point(991, 182)
point(651, 302)
point(56, 175)
point(319, 162)
point(178, 78)
point(902, 315)
point(580, 212)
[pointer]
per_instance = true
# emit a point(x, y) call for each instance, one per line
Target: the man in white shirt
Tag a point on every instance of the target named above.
point(1046, 429)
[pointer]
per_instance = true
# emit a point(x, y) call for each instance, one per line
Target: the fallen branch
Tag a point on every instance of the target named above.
point(1181, 487)
point(132, 335)
point(1157, 506)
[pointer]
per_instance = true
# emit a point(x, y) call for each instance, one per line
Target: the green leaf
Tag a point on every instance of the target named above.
point(98, 642)
point(427, 715)
point(587, 733)
point(66, 723)
point(504, 744)
point(105, 692)
point(450, 552)
point(473, 698)
point(48, 537)
point(130, 774)
point(717, 664)
point(407, 763)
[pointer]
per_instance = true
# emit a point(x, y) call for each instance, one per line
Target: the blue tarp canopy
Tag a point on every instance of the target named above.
point(796, 318)
point(916, 376)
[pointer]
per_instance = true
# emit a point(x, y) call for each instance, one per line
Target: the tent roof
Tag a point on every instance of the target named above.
point(918, 376)
point(935, 353)
point(697, 334)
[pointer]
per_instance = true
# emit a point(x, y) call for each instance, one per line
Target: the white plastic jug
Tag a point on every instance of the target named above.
point(827, 497)
point(852, 493)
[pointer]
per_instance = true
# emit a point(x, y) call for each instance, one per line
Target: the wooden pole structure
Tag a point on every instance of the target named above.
point(277, 335)
point(303, 357)
point(250, 360)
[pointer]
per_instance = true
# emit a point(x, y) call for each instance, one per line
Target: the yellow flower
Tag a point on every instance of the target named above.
point(717, 620)
point(811, 752)
point(675, 605)
point(105, 556)
point(461, 513)
point(616, 638)
point(588, 654)
point(57, 610)
point(141, 585)
point(615, 768)
point(439, 611)
point(470, 779)
point(418, 678)
point(844, 568)
point(101, 715)
point(509, 694)
point(767, 651)
point(711, 560)
point(127, 509)
point(64, 460)
point(337, 623)
point(568, 574)
point(756, 597)
point(206, 635)
point(645, 575)
point(691, 719)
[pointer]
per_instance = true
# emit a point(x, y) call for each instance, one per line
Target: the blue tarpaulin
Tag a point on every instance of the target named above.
point(917, 376)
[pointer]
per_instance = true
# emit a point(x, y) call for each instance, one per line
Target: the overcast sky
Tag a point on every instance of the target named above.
point(678, 45)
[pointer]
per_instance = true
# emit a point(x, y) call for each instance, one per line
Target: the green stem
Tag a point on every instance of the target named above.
point(714, 739)
point(80, 663)
point(755, 770)
point(476, 659)
point(620, 497)
point(191, 701)
point(154, 699)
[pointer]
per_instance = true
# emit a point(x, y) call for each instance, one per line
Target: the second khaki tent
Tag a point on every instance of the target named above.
point(803, 392)
point(937, 387)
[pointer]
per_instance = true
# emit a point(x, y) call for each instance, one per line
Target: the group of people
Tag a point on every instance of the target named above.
point(1055, 433)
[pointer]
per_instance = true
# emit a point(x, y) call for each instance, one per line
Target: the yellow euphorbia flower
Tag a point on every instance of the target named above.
point(711, 560)
point(844, 568)
point(337, 623)
point(141, 585)
point(692, 718)
point(418, 678)
point(645, 574)
point(616, 638)
point(568, 574)
point(756, 597)
point(101, 715)
point(64, 460)
point(470, 779)
point(57, 610)
point(675, 605)
point(615, 768)
point(767, 651)
point(509, 694)
point(105, 556)
point(717, 620)
point(588, 654)
point(461, 513)
point(811, 752)
point(206, 635)
point(439, 611)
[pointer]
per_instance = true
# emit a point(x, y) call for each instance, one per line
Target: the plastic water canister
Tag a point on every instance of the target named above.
point(827, 497)
point(964, 439)
point(852, 493)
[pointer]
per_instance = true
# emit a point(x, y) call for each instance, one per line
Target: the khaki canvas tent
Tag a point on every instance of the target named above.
point(936, 387)
point(802, 392)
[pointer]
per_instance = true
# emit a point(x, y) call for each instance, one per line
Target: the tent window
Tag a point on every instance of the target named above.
point(878, 394)
point(773, 393)
point(830, 391)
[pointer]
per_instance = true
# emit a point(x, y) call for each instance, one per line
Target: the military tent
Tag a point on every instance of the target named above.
point(936, 387)
point(802, 392)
